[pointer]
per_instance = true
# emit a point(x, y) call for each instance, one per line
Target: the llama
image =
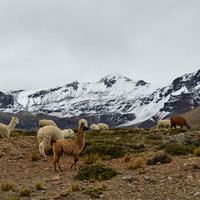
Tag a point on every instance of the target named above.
point(163, 124)
point(103, 126)
point(46, 133)
point(67, 133)
point(82, 121)
point(180, 121)
point(69, 147)
point(46, 122)
point(5, 130)
point(94, 127)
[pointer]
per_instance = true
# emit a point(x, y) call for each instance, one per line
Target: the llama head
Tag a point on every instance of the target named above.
point(83, 127)
point(15, 120)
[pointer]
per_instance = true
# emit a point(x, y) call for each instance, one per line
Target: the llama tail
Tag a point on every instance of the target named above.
point(52, 141)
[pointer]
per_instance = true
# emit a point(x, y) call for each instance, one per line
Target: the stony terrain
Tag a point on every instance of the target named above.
point(176, 180)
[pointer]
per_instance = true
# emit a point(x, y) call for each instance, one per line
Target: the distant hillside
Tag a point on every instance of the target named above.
point(193, 117)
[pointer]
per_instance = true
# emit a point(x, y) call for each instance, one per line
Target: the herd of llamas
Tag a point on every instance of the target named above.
point(50, 134)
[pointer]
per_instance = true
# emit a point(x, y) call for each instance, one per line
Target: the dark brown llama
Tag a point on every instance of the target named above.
point(180, 121)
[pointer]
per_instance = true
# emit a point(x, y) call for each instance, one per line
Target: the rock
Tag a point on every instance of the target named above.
point(56, 178)
point(185, 139)
point(147, 178)
point(197, 194)
point(169, 178)
point(94, 195)
point(196, 166)
point(158, 163)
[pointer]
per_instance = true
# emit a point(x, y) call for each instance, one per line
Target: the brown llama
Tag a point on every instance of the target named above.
point(69, 147)
point(180, 121)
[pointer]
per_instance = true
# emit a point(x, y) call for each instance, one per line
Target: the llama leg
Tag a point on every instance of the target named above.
point(56, 160)
point(75, 161)
point(41, 147)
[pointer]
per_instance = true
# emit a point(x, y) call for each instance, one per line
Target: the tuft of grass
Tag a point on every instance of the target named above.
point(162, 158)
point(127, 157)
point(91, 158)
point(49, 150)
point(16, 198)
point(174, 148)
point(25, 192)
point(65, 193)
point(197, 152)
point(7, 186)
point(88, 172)
point(35, 157)
point(39, 185)
point(98, 190)
point(75, 187)
point(137, 164)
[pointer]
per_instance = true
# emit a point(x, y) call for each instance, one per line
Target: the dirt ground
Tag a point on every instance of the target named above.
point(176, 180)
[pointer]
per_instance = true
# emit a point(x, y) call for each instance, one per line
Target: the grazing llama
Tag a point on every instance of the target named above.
point(46, 122)
point(69, 147)
point(180, 121)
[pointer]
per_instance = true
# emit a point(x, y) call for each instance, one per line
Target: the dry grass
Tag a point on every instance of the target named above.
point(136, 164)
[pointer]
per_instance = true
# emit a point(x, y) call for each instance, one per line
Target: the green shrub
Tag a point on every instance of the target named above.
point(162, 158)
point(174, 148)
point(98, 190)
point(94, 171)
point(153, 139)
point(103, 149)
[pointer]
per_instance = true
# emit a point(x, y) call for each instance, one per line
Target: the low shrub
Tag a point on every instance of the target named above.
point(65, 193)
point(94, 171)
point(103, 149)
point(127, 157)
point(25, 192)
point(197, 152)
point(98, 190)
point(39, 185)
point(7, 186)
point(153, 139)
point(75, 187)
point(35, 157)
point(174, 148)
point(162, 158)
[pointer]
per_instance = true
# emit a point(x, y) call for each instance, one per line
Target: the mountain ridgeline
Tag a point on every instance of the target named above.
point(115, 100)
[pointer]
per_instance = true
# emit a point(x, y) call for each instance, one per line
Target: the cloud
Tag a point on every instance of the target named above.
point(84, 40)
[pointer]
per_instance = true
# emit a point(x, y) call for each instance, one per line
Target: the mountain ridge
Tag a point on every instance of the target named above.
point(114, 99)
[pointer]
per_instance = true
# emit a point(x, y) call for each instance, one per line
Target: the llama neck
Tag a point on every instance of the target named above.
point(81, 139)
point(12, 125)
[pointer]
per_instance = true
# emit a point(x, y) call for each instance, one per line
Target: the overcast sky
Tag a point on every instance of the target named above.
point(46, 43)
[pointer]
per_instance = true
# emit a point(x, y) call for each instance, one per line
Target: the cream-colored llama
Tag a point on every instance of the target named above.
point(5, 130)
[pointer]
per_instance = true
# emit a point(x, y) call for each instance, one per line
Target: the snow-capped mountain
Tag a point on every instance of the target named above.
point(116, 100)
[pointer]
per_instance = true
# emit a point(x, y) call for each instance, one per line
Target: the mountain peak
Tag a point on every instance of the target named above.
point(111, 79)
